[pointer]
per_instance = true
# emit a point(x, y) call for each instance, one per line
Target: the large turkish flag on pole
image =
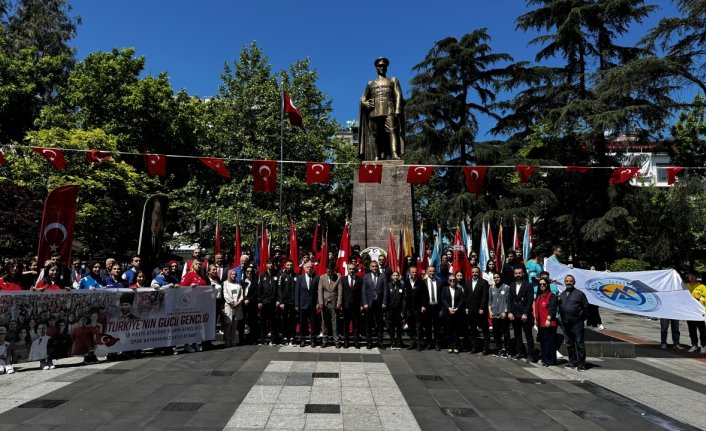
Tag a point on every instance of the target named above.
point(57, 231)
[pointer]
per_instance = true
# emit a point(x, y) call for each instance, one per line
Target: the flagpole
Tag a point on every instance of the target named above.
point(281, 156)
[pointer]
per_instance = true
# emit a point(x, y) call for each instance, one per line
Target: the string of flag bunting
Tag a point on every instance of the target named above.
point(265, 171)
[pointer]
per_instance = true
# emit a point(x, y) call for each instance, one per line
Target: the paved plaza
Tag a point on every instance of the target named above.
point(295, 388)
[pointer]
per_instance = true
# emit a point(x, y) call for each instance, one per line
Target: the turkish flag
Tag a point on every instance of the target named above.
point(475, 177)
point(344, 252)
point(237, 252)
point(264, 173)
point(370, 173)
point(525, 172)
point(323, 257)
point(97, 156)
point(216, 165)
point(55, 157)
point(156, 164)
point(293, 244)
point(107, 340)
point(461, 262)
point(56, 234)
point(579, 169)
point(621, 175)
point(419, 174)
point(217, 248)
point(295, 117)
point(317, 173)
point(393, 263)
point(672, 172)
point(2, 157)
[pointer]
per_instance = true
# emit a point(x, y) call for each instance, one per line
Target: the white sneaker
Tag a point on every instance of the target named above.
point(2, 370)
point(703, 350)
point(199, 348)
point(693, 349)
point(51, 364)
point(9, 369)
point(663, 345)
point(601, 327)
point(679, 347)
point(46, 367)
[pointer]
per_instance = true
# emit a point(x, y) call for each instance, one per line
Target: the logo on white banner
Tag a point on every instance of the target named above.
point(624, 293)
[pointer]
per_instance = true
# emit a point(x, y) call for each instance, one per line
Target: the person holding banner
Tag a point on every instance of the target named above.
point(572, 305)
point(51, 281)
point(233, 295)
point(92, 280)
point(697, 328)
point(113, 280)
point(193, 277)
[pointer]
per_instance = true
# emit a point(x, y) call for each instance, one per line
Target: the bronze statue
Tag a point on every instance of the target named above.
point(381, 117)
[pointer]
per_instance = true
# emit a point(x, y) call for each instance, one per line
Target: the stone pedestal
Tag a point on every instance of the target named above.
point(377, 207)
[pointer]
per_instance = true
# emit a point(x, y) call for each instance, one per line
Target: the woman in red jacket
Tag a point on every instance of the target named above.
point(545, 320)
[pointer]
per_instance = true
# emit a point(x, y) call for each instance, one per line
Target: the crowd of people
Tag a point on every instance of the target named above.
point(289, 303)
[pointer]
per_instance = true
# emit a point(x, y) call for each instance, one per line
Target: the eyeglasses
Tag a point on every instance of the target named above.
point(542, 284)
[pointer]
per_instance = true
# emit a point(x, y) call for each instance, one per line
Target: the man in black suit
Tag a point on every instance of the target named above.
point(351, 285)
point(431, 313)
point(476, 309)
point(285, 303)
point(417, 298)
point(519, 307)
point(453, 309)
point(266, 299)
point(305, 298)
point(374, 300)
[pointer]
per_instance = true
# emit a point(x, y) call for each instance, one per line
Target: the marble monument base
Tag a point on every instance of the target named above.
point(377, 207)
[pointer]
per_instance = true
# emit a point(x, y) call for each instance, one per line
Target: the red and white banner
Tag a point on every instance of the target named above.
point(370, 173)
point(216, 165)
point(53, 156)
point(264, 174)
point(475, 177)
point(295, 117)
point(317, 173)
point(419, 174)
point(132, 319)
point(156, 164)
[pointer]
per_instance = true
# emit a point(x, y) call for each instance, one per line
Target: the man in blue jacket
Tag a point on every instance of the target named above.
point(305, 298)
point(374, 299)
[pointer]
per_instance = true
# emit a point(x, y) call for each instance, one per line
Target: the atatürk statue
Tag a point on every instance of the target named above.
point(381, 117)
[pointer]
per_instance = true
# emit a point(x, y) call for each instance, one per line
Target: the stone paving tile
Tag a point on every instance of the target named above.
point(357, 396)
point(388, 397)
point(271, 378)
point(287, 417)
point(376, 368)
point(262, 394)
point(395, 419)
point(323, 421)
point(355, 380)
point(359, 417)
point(304, 367)
point(299, 379)
point(279, 367)
point(251, 416)
point(352, 368)
point(325, 395)
point(294, 395)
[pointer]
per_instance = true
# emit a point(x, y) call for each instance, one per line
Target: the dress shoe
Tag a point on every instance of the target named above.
point(302, 344)
point(338, 345)
point(324, 345)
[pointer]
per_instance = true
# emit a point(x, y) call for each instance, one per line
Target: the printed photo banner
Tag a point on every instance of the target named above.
point(114, 320)
point(660, 294)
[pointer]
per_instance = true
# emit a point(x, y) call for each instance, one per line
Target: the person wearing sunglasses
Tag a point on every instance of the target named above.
point(545, 321)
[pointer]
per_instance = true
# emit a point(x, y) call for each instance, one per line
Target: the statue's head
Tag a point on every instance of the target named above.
point(382, 61)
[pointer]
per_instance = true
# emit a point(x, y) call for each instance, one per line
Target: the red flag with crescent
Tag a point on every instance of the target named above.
point(236, 253)
point(621, 175)
point(578, 169)
point(475, 177)
point(370, 173)
point(56, 234)
point(54, 156)
point(293, 244)
point(156, 164)
point(419, 174)
point(672, 172)
point(2, 157)
point(344, 252)
point(264, 173)
point(525, 172)
point(317, 173)
point(295, 117)
point(97, 156)
point(216, 165)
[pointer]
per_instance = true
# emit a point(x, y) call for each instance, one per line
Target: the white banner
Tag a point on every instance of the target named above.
point(659, 294)
point(113, 320)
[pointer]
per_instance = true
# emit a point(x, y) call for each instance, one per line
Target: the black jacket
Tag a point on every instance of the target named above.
point(351, 294)
point(285, 290)
point(572, 306)
point(416, 295)
point(477, 299)
point(519, 304)
point(396, 295)
point(267, 288)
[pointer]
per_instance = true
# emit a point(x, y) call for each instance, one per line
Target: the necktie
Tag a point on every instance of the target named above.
point(350, 282)
point(433, 292)
point(375, 288)
point(453, 293)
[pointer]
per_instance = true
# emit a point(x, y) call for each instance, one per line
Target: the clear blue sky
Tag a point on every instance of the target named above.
point(191, 40)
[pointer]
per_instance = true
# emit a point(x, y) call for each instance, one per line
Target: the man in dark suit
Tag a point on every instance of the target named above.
point(431, 313)
point(453, 309)
point(477, 309)
point(351, 285)
point(417, 298)
point(305, 297)
point(519, 307)
point(374, 300)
